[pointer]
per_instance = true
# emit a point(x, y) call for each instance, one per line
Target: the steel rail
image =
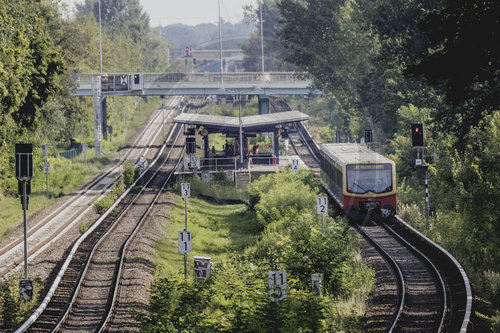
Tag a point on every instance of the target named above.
point(399, 276)
point(463, 275)
point(116, 288)
point(115, 223)
point(79, 195)
point(444, 296)
point(63, 269)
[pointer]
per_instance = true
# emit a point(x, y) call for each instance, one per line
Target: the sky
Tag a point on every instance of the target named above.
point(190, 12)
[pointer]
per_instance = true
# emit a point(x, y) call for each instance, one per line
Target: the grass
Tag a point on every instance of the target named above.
point(67, 175)
point(218, 230)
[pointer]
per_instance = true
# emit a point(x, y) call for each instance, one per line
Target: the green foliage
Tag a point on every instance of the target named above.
point(235, 297)
point(264, 184)
point(463, 55)
point(128, 174)
point(275, 52)
point(14, 309)
point(478, 181)
point(102, 205)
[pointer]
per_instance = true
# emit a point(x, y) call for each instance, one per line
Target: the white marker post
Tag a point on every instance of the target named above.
point(277, 285)
point(185, 242)
point(185, 193)
point(322, 208)
point(316, 283)
point(295, 165)
point(46, 167)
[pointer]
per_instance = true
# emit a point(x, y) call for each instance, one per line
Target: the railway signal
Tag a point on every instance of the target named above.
point(417, 142)
point(24, 173)
point(417, 135)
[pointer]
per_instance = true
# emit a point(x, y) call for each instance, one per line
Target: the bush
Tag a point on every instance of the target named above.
point(128, 174)
point(101, 206)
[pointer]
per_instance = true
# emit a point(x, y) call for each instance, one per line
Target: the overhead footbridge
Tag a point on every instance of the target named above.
point(101, 86)
point(272, 83)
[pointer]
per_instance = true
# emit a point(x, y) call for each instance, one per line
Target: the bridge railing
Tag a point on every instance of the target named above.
point(85, 80)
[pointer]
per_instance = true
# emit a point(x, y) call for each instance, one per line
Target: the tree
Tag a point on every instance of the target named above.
point(274, 50)
point(465, 57)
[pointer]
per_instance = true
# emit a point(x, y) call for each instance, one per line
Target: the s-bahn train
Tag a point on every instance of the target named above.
point(360, 180)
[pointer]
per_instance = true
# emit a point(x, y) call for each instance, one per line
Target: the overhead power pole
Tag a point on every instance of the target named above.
point(220, 51)
point(261, 38)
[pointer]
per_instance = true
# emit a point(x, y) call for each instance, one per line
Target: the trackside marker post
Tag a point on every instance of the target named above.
point(185, 193)
point(322, 208)
point(277, 285)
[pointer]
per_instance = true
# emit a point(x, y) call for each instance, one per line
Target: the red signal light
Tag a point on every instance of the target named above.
point(416, 129)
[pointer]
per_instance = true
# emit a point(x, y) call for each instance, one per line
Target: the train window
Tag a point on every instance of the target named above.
point(363, 178)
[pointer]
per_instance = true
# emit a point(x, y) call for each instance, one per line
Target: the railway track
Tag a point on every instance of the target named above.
point(57, 222)
point(419, 285)
point(84, 293)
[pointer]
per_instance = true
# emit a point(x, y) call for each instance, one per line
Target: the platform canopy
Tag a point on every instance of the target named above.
point(258, 123)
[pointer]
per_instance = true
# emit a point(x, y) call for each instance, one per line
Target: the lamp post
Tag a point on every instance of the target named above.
point(239, 93)
point(241, 129)
point(100, 40)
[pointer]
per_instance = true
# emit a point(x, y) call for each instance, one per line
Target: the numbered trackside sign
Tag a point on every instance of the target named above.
point(277, 285)
point(26, 289)
point(295, 165)
point(322, 205)
point(205, 177)
point(185, 242)
point(46, 167)
point(185, 190)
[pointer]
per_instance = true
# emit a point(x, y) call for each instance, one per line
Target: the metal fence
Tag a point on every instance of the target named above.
point(72, 153)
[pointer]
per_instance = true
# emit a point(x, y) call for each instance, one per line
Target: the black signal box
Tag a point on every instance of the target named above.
point(24, 161)
point(417, 135)
point(368, 136)
point(190, 145)
point(20, 187)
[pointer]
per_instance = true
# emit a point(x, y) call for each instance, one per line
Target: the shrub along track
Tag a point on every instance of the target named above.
point(103, 264)
point(429, 304)
point(42, 232)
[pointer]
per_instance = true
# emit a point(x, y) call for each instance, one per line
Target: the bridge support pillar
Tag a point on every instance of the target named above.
point(96, 80)
point(104, 118)
point(277, 147)
point(263, 104)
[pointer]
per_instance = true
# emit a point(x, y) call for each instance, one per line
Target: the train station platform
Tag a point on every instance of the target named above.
point(277, 125)
point(241, 176)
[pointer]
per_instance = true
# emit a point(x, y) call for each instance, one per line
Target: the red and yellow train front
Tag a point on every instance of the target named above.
point(369, 189)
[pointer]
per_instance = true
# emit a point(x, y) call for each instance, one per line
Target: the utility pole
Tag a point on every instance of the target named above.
point(100, 40)
point(220, 50)
point(261, 38)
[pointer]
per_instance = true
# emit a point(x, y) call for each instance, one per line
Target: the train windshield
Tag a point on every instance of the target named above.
point(363, 178)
